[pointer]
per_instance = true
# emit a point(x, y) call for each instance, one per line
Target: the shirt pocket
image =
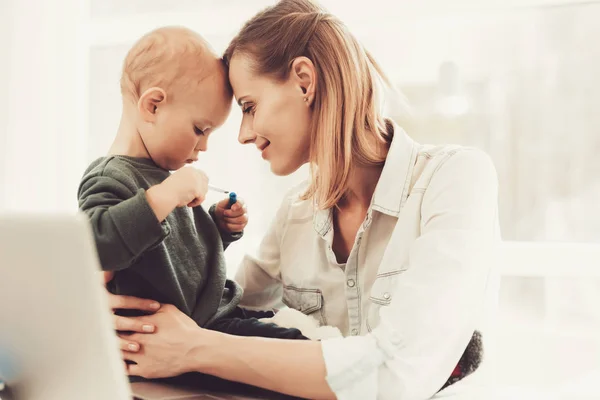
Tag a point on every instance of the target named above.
point(307, 301)
point(382, 294)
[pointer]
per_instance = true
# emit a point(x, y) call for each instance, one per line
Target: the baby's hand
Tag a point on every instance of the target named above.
point(231, 220)
point(185, 187)
point(188, 186)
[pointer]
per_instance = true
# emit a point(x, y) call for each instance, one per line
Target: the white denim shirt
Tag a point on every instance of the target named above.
point(415, 284)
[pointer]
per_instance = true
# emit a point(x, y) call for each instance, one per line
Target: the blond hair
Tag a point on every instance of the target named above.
point(172, 58)
point(347, 116)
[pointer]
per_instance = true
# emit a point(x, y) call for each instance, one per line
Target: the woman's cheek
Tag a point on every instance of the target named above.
point(258, 124)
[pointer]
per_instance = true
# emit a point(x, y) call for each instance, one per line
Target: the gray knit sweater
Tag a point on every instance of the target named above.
point(179, 261)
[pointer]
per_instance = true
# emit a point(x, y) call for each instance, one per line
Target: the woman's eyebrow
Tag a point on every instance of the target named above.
point(241, 101)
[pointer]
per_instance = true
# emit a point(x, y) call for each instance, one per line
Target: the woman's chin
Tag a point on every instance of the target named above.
point(283, 169)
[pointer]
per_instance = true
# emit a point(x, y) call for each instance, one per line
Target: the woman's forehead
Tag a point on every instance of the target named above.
point(244, 80)
point(240, 69)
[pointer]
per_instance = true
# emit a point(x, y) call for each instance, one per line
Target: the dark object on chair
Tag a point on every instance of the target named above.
point(469, 361)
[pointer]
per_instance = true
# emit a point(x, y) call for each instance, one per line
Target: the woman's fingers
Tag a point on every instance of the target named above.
point(129, 324)
point(133, 370)
point(132, 303)
point(164, 353)
point(127, 345)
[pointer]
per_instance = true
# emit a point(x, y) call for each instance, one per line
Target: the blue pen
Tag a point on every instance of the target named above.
point(232, 195)
point(232, 199)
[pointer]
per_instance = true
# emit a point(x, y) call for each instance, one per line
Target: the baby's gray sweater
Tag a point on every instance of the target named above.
point(179, 261)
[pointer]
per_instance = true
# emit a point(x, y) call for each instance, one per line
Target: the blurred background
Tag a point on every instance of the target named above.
point(518, 79)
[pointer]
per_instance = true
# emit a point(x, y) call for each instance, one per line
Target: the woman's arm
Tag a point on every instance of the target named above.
point(178, 346)
point(292, 367)
point(260, 274)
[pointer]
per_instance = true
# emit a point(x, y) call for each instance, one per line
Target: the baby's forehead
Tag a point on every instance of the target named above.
point(200, 81)
point(210, 99)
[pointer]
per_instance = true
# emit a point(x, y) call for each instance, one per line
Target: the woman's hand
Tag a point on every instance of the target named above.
point(167, 352)
point(126, 323)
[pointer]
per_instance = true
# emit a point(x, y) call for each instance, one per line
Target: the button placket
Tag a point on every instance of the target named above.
point(353, 293)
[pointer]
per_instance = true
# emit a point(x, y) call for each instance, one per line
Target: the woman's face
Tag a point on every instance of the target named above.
point(276, 117)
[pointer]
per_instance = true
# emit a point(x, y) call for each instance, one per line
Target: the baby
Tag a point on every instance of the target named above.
point(149, 227)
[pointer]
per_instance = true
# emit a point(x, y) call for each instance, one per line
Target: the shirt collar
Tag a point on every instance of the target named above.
point(393, 186)
point(394, 183)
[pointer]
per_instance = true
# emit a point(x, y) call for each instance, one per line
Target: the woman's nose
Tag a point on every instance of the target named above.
point(246, 135)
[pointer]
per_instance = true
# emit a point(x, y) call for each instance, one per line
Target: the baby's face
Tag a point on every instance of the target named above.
point(183, 125)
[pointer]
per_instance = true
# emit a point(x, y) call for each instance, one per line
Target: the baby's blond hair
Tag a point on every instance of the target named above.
point(172, 58)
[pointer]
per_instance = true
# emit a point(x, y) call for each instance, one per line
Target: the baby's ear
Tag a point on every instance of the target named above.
point(150, 101)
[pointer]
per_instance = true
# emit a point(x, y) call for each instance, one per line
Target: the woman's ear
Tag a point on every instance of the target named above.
point(149, 102)
point(304, 75)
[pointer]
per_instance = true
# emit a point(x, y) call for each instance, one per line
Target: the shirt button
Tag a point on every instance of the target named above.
point(351, 283)
point(354, 332)
point(387, 296)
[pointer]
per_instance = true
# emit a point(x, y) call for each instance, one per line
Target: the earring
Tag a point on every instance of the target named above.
point(305, 99)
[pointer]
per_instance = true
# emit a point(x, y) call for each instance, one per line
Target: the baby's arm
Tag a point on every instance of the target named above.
point(123, 222)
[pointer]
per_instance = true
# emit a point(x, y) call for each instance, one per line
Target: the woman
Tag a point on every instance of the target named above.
point(389, 241)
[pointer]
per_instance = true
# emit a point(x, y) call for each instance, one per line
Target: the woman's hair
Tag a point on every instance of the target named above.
point(346, 108)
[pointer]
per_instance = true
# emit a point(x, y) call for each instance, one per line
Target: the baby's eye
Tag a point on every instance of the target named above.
point(198, 131)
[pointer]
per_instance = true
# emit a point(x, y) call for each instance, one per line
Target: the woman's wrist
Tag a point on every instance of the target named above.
point(203, 355)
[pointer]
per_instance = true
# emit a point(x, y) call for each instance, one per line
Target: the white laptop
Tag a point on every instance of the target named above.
point(56, 337)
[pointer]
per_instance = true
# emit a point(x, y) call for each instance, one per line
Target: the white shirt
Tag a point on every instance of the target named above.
point(414, 286)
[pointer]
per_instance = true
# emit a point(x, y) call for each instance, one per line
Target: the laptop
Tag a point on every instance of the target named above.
point(56, 335)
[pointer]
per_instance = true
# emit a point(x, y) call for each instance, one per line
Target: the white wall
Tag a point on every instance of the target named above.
point(44, 74)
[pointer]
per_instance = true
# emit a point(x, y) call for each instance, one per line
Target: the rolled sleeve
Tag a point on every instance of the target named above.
point(437, 301)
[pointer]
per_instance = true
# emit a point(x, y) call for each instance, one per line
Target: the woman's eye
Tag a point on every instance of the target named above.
point(248, 110)
point(198, 131)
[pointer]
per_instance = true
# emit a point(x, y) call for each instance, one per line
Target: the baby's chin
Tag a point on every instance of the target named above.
point(172, 165)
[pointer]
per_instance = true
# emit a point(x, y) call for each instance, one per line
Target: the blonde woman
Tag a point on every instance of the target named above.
point(389, 241)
